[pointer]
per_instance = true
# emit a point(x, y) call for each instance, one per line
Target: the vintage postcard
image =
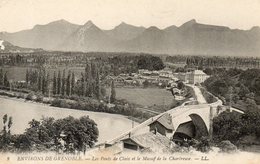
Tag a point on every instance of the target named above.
point(129, 81)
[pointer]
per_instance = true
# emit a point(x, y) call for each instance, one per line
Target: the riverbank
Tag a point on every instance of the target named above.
point(81, 103)
point(22, 112)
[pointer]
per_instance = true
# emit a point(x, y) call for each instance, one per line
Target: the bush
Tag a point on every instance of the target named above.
point(203, 145)
point(209, 97)
point(30, 96)
point(227, 147)
point(39, 98)
point(56, 102)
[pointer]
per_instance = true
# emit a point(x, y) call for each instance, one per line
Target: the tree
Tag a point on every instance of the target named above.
point(47, 83)
point(47, 134)
point(180, 85)
point(72, 83)
point(1, 77)
point(250, 122)
point(6, 82)
point(78, 134)
point(27, 76)
point(63, 83)
point(150, 62)
point(68, 84)
point(54, 89)
point(21, 143)
point(227, 122)
point(39, 80)
point(5, 138)
point(59, 83)
point(97, 89)
point(103, 91)
point(146, 83)
point(89, 80)
point(113, 93)
point(43, 85)
point(83, 84)
point(208, 71)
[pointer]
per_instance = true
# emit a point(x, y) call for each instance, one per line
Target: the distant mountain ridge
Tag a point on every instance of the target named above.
point(125, 31)
point(189, 38)
point(6, 47)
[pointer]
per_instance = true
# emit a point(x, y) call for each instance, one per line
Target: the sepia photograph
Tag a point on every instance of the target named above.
point(129, 81)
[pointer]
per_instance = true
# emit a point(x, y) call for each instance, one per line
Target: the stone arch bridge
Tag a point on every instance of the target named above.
point(201, 115)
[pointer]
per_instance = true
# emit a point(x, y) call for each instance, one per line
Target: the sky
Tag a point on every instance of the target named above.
point(16, 15)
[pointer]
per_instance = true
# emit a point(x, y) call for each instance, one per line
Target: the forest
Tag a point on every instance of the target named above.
point(236, 86)
point(240, 89)
point(202, 62)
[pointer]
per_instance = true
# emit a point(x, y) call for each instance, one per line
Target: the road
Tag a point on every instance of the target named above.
point(200, 98)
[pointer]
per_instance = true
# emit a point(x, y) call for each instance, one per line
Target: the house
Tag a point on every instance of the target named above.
point(176, 91)
point(183, 77)
point(117, 79)
point(173, 84)
point(194, 77)
point(165, 73)
point(139, 81)
point(163, 79)
point(147, 142)
point(162, 125)
point(197, 76)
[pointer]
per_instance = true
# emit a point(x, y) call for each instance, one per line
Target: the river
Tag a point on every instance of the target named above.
point(109, 125)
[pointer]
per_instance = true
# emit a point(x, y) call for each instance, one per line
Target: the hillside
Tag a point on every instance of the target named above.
point(42, 36)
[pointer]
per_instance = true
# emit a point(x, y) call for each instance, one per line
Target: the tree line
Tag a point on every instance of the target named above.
point(65, 83)
point(240, 87)
point(203, 62)
point(3, 78)
point(62, 84)
point(67, 135)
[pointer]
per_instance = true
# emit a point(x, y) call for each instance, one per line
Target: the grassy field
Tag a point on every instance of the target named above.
point(145, 97)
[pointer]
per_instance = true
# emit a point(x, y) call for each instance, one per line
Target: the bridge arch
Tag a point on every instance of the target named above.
point(200, 126)
point(195, 128)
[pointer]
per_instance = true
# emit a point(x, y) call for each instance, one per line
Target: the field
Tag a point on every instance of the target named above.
point(145, 97)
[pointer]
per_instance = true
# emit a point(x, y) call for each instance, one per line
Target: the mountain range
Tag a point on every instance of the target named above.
point(191, 38)
point(6, 47)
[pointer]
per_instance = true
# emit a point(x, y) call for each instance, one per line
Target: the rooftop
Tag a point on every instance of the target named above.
point(154, 142)
point(198, 72)
point(166, 121)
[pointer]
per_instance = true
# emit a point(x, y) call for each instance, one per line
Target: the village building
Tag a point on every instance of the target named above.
point(197, 77)
point(162, 125)
point(194, 77)
point(149, 142)
point(137, 79)
point(118, 80)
